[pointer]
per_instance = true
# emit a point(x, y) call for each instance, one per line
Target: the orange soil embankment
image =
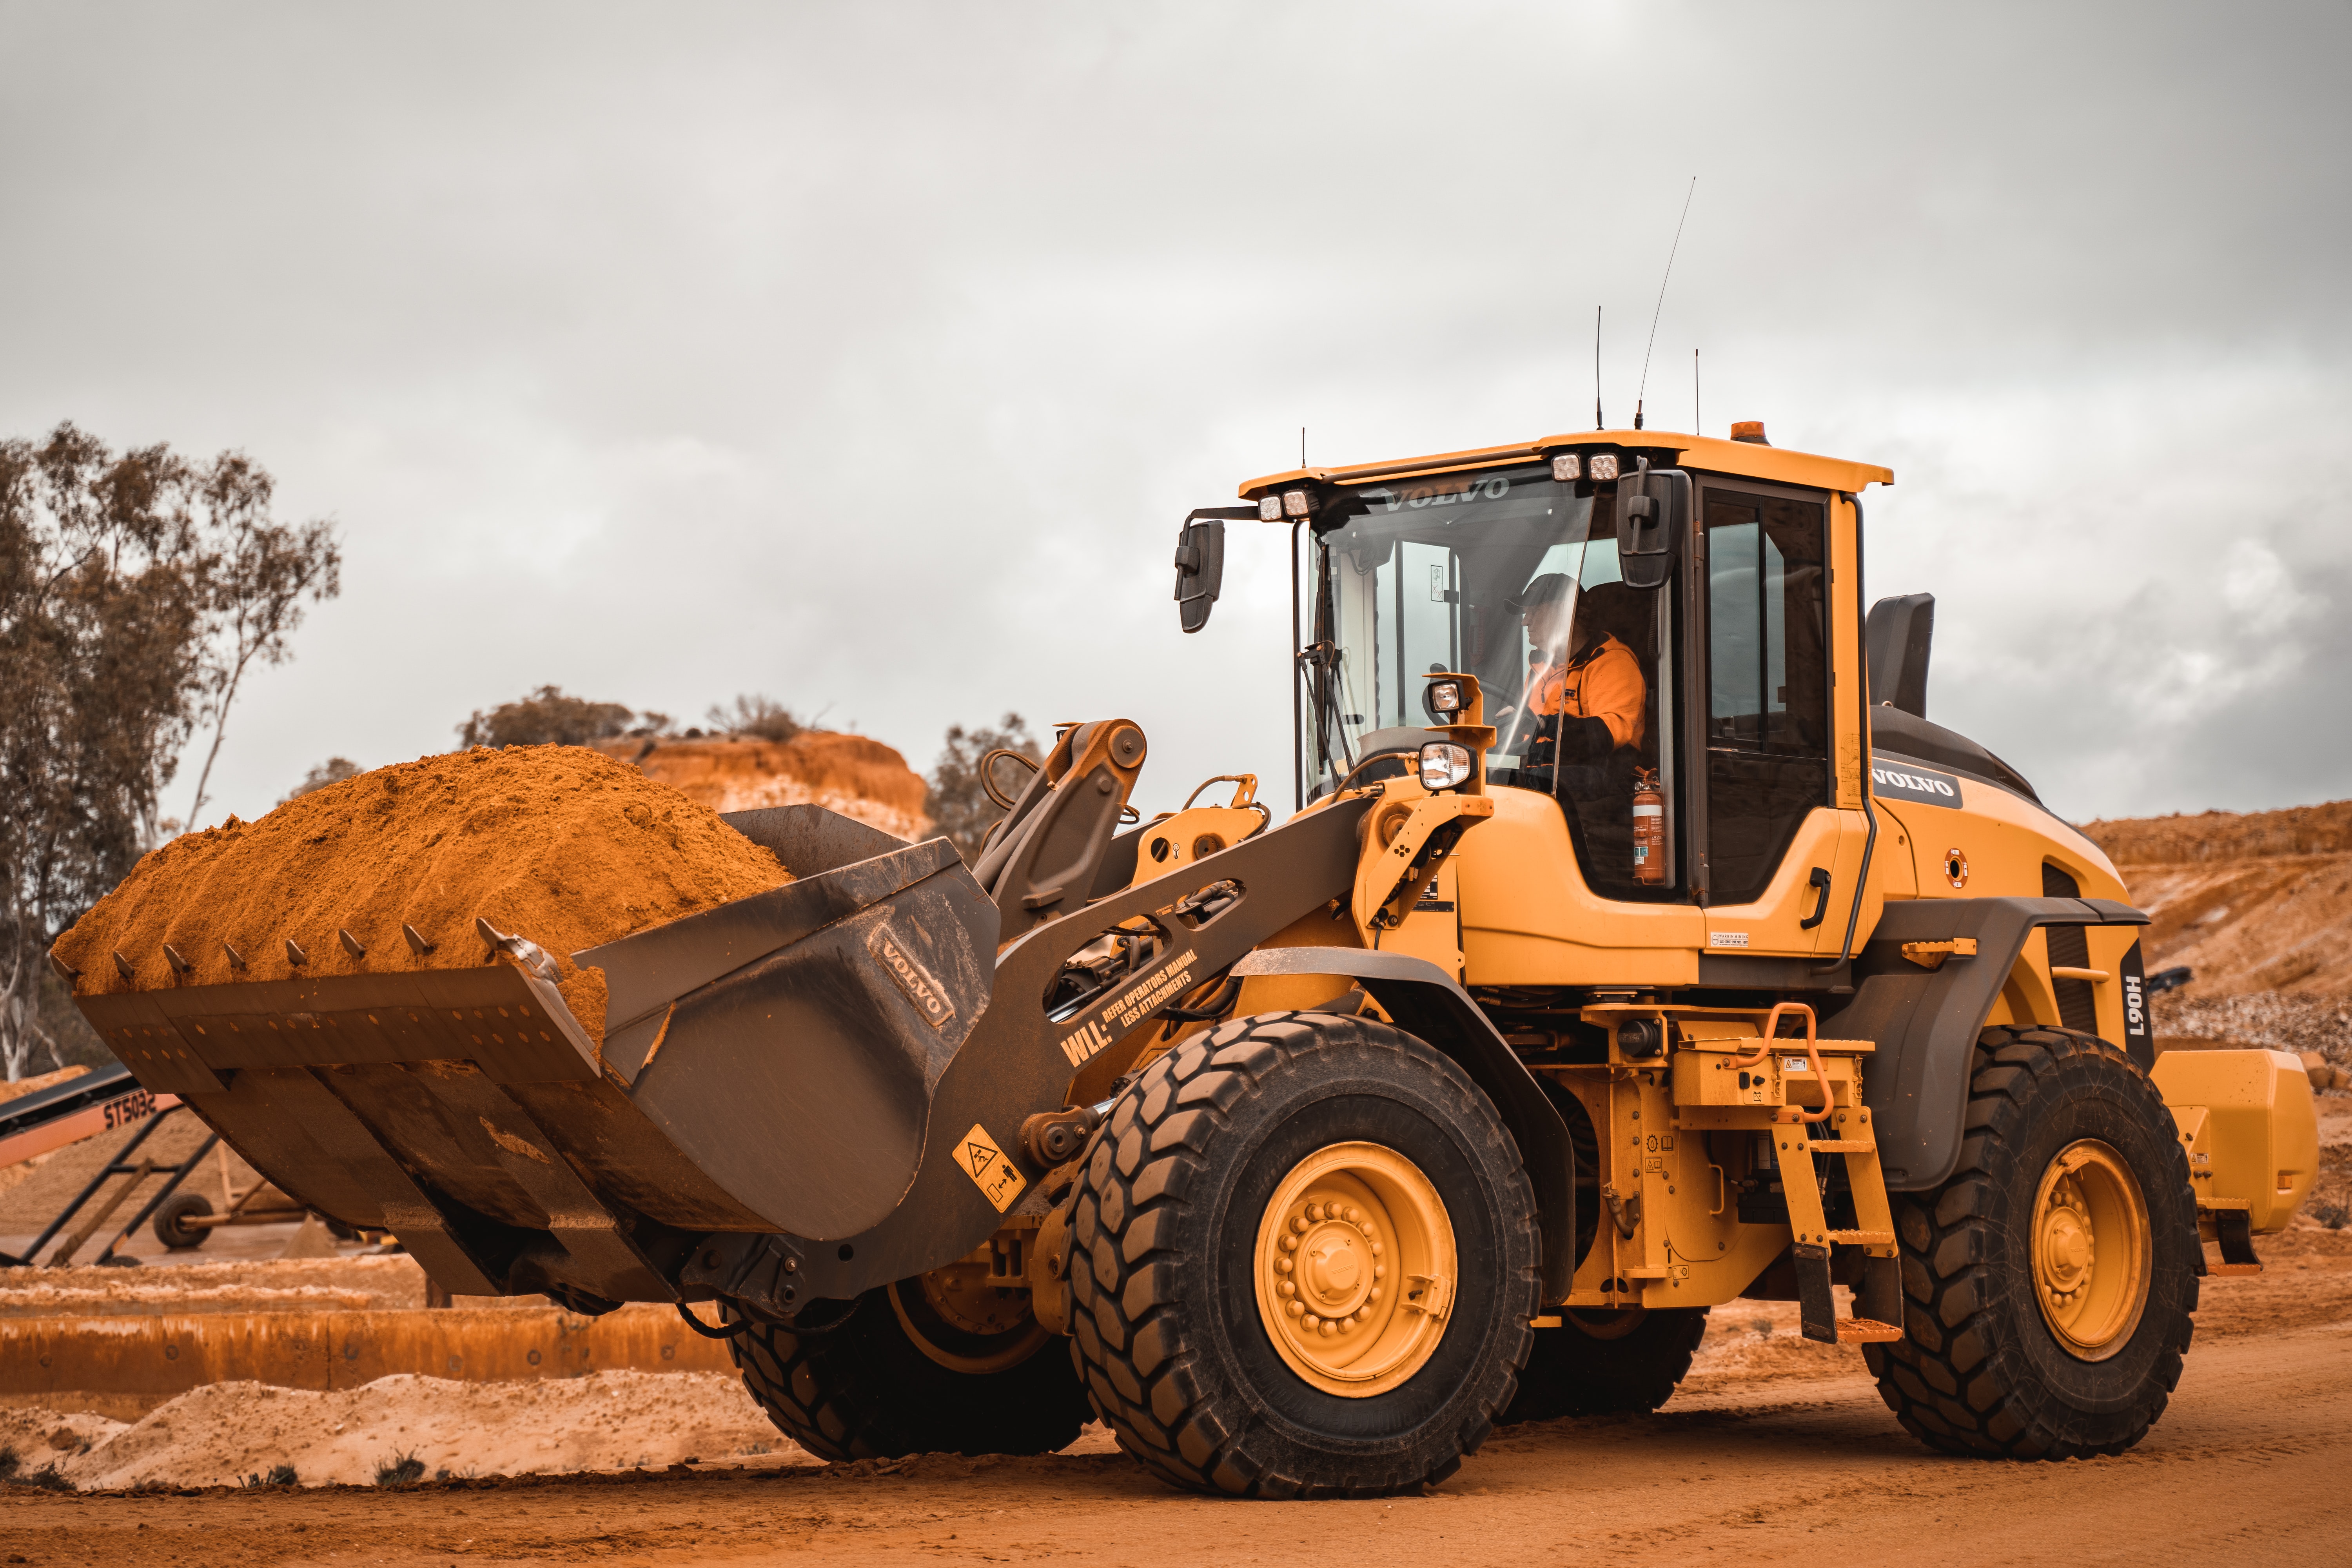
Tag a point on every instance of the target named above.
point(2258, 906)
point(852, 775)
point(86, 1362)
point(557, 844)
point(2258, 902)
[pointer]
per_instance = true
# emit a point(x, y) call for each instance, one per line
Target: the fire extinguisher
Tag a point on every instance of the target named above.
point(1649, 829)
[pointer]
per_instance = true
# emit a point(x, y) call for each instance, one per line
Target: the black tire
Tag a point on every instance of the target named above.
point(1165, 1313)
point(1979, 1369)
point(1606, 1363)
point(171, 1224)
point(864, 1388)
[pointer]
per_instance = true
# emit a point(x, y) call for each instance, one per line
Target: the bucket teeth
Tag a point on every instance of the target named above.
point(122, 965)
point(171, 955)
point(522, 950)
point(416, 943)
point(66, 972)
point(295, 955)
point(352, 945)
point(235, 959)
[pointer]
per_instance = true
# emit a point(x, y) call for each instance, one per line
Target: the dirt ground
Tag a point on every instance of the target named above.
point(1775, 1449)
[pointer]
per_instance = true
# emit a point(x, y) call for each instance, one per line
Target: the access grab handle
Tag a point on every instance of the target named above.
point(1819, 882)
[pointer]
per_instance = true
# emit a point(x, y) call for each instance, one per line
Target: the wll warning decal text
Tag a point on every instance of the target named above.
point(991, 1171)
point(1141, 1000)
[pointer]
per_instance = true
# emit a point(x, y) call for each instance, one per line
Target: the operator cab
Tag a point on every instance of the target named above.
point(1711, 665)
point(1510, 574)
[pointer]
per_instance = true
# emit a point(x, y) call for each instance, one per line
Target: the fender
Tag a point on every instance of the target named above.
point(1430, 1004)
point(1926, 1022)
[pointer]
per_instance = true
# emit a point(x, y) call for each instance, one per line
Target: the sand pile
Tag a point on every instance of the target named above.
point(852, 775)
point(222, 1433)
point(558, 844)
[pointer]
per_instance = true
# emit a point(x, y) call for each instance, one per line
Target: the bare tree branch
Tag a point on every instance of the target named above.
point(135, 591)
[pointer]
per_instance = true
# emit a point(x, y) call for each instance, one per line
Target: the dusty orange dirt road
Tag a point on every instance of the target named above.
point(1774, 1451)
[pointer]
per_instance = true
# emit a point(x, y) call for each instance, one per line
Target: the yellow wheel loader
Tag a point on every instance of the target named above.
point(1635, 945)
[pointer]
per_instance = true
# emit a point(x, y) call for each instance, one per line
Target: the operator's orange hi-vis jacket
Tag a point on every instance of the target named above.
point(1605, 684)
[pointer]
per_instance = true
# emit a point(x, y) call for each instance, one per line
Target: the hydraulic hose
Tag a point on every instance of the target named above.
point(727, 1331)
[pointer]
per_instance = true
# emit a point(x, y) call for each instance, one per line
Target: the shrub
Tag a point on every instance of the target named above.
point(400, 1470)
point(755, 715)
point(546, 717)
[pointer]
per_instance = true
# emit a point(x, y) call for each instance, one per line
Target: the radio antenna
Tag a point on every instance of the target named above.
point(1302, 445)
point(1662, 300)
point(1597, 423)
point(1696, 428)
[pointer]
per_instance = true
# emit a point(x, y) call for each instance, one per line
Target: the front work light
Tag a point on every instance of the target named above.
point(1444, 764)
point(1445, 697)
point(1604, 465)
point(1269, 510)
point(1567, 467)
point(1294, 503)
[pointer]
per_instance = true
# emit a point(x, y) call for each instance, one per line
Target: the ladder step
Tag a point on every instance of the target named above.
point(1861, 1237)
point(1865, 1332)
point(1841, 1145)
point(2233, 1269)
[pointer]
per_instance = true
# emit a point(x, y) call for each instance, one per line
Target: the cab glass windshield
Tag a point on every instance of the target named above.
point(1436, 574)
point(1512, 576)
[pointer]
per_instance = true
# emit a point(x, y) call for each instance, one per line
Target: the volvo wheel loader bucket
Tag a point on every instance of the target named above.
point(789, 1044)
point(768, 1066)
point(801, 1095)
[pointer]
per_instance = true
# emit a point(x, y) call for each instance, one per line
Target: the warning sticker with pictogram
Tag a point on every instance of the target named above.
point(991, 1169)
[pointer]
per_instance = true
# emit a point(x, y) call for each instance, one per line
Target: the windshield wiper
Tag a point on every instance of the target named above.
point(1317, 662)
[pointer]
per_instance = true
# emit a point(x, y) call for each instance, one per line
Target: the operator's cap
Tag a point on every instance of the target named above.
point(1549, 589)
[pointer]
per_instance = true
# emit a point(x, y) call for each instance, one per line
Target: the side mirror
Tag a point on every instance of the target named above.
point(1653, 509)
point(1200, 569)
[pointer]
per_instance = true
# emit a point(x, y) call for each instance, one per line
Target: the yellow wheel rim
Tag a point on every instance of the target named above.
point(2092, 1257)
point(1355, 1269)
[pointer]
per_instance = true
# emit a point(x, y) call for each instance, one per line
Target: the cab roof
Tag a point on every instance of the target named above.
point(1664, 448)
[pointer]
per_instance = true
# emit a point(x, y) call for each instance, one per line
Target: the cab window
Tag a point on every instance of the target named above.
point(1768, 681)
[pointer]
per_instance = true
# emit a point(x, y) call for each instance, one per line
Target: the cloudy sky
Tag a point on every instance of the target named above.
point(865, 356)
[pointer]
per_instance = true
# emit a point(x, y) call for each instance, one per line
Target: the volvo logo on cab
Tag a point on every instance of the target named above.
point(1892, 781)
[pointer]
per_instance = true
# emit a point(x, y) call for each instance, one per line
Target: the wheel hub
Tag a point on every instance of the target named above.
point(2092, 1257)
point(963, 1318)
point(1355, 1266)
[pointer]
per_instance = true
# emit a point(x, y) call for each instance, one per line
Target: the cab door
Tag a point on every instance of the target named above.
point(1776, 872)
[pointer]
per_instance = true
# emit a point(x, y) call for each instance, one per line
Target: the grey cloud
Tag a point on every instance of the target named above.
point(867, 355)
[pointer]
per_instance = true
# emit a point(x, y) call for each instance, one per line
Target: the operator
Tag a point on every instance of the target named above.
point(1588, 697)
